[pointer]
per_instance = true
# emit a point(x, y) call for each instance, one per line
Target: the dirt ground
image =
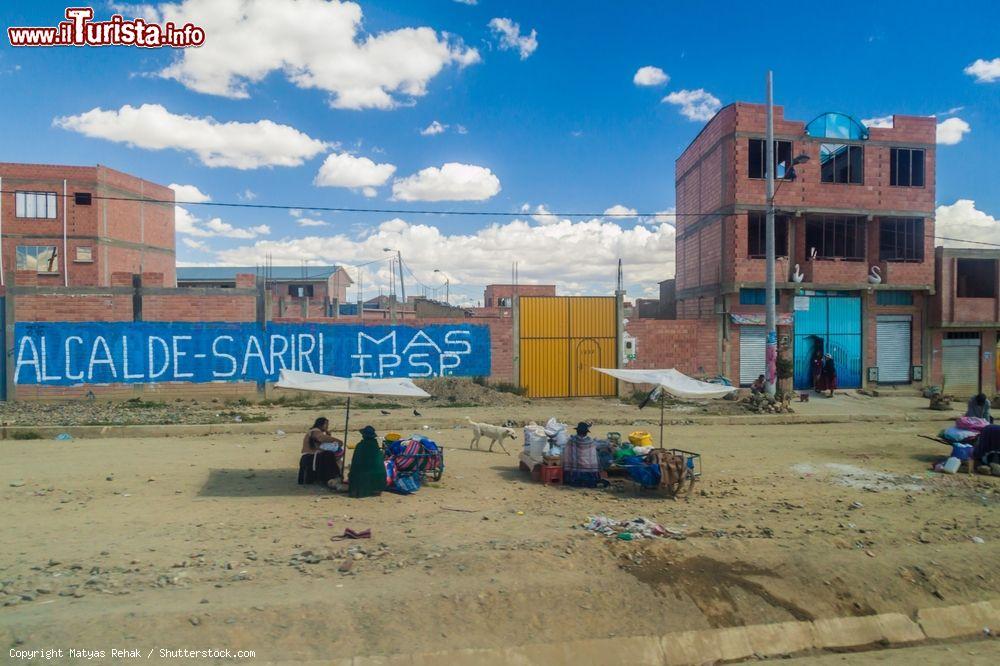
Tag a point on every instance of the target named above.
point(207, 541)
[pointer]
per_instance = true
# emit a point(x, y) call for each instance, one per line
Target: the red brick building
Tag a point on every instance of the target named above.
point(296, 291)
point(965, 317)
point(76, 226)
point(863, 205)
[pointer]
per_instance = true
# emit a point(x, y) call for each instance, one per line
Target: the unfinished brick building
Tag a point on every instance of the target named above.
point(76, 226)
point(853, 235)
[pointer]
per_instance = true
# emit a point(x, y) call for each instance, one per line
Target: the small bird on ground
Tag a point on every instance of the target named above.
point(416, 413)
point(384, 412)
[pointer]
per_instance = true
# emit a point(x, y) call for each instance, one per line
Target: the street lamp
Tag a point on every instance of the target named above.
point(447, 286)
point(770, 316)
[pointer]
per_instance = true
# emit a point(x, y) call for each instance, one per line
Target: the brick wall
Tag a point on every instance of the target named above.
point(690, 345)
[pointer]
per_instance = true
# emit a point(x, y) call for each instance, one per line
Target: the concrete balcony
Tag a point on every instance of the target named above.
point(974, 310)
point(835, 271)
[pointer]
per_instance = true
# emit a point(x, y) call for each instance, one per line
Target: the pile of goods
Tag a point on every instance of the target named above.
point(630, 530)
point(965, 441)
point(762, 403)
point(546, 442)
point(409, 462)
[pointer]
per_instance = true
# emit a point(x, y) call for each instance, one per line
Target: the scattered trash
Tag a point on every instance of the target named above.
point(238, 418)
point(520, 513)
point(977, 539)
point(458, 508)
point(280, 433)
point(64, 437)
point(637, 528)
point(353, 534)
point(16, 484)
point(857, 505)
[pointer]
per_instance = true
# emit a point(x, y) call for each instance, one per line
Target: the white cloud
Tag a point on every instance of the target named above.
point(985, 71)
point(188, 193)
point(511, 37)
point(541, 214)
point(295, 212)
point(647, 252)
point(310, 222)
point(471, 3)
point(461, 129)
point(315, 44)
point(951, 131)
point(650, 76)
point(620, 211)
point(884, 122)
point(452, 182)
point(187, 224)
point(668, 216)
point(201, 246)
point(434, 128)
point(246, 195)
point(695, 104)
point(346, 170)
point(230, 144)
point(963, 220)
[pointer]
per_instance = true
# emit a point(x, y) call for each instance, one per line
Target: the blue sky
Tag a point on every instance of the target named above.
point(556, 119)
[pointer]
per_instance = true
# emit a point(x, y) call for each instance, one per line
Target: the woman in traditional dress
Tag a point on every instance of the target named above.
point(366, 478)
point(829, 375)
point(322, 455)
point(579, 459)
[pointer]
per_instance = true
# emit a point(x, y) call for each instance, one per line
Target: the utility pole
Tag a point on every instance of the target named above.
point(402, 286)
point(771, 345)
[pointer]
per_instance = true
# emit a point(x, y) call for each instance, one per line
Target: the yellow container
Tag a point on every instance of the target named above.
point(640, 438)
point(393, 437)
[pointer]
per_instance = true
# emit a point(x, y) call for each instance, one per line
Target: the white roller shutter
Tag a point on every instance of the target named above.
point(752, 348)
point(892, 338)
point(960, 361)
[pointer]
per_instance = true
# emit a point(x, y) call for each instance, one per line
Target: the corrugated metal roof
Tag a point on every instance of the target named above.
point(213, 273)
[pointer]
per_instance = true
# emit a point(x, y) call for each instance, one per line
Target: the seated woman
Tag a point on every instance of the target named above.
point(322, 455)
point(979, 407)
point(366, 476)
point(579, 459)
point(759, 385)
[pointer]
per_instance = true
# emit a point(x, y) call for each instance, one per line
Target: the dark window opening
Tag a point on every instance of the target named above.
point(757, 235)
point(841, 163)
point(836, 237)
point(300, 290)
point(750, 296)
point(894, 297)
point(901, 239)
point(906, 167)
point(81, 198)
point(758, 158)
point(962, 335)
point(976, 278)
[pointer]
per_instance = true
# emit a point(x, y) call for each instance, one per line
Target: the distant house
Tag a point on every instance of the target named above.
point(316, 288)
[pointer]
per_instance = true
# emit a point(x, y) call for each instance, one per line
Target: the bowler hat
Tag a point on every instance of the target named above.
point(367, 431)
point(582, 428)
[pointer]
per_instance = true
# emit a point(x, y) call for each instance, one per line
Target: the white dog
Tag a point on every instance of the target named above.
point(496, 434)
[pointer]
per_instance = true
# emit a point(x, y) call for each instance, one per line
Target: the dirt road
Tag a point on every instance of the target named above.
point(208, 542)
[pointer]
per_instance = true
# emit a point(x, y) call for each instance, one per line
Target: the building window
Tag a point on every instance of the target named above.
point(758, 158)
point(836, 237)
point(841, 163)
point(976, 278)
point(35, 204)
point(901, 239)
point(757, 235)
point(300, 290)
point(505, 302)
point(757, 296)
point(84, 254)
point(887, 297)
point(38, 258)
point(906, 167)
point(82, 198)
point(961, 335)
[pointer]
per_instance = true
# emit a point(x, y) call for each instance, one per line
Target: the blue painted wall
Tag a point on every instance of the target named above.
point(63, 354)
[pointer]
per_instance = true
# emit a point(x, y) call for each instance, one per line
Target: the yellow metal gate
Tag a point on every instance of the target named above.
point(562, 339)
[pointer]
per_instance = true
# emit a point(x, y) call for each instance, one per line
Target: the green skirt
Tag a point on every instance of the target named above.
point(367, 474)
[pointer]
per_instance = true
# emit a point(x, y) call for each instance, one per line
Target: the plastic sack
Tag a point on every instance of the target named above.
point(962, 451)
point(535, 440)
point(954, 434)
point(971, 423)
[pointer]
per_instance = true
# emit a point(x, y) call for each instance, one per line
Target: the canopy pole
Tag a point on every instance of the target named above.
point(661, 418)
point(347, 421)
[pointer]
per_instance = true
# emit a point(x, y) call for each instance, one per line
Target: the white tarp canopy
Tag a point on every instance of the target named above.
point(311, 381)
point(674, 382)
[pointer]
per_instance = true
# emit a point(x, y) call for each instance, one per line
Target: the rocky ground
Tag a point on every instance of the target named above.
point(167, 542)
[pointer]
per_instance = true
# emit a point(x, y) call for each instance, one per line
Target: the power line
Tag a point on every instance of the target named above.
point(479, 213)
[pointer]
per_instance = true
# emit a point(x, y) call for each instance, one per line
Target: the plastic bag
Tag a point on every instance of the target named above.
point(535, 441)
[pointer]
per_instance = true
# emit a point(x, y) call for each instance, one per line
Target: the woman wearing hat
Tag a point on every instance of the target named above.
point(579, 458)
point(366, 477)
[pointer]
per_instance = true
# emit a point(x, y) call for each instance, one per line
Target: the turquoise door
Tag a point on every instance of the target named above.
point(832, 325)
